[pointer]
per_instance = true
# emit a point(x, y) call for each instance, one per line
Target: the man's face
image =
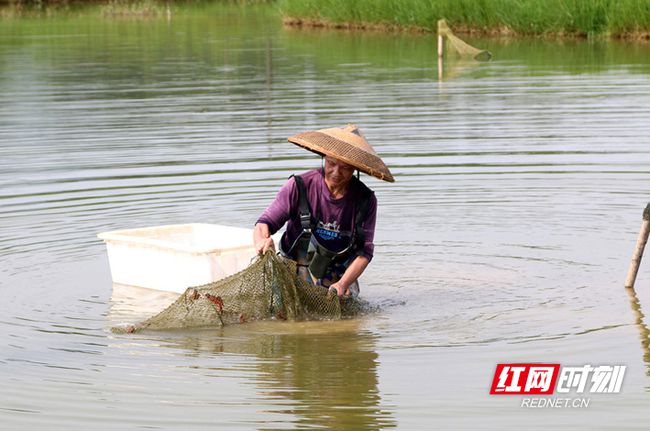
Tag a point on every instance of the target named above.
point(337, 173)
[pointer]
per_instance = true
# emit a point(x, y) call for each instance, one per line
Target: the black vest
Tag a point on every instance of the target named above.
point(318, 257)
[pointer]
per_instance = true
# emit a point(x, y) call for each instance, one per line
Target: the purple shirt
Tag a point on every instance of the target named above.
point(333, 219)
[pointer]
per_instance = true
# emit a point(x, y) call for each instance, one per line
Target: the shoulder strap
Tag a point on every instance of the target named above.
point(360, 218)
point(303, 206)
point(299, 249)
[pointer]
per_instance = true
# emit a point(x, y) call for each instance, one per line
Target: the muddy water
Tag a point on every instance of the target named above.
point(506, 237)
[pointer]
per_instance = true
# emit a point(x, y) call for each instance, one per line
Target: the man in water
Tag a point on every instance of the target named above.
point(330, 214)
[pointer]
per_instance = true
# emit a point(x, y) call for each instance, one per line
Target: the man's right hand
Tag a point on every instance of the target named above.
point(265, 244)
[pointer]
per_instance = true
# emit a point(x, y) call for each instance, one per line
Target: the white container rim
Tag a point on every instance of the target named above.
point(127, 236)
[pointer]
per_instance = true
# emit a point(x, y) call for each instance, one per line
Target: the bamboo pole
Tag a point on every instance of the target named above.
point(441, 49)
point(640, 246)
point(442, 32)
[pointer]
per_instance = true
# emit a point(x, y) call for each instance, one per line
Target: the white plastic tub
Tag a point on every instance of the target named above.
point(175, 257)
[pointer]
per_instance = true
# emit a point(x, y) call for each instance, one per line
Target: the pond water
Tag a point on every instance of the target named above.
point(506, 237)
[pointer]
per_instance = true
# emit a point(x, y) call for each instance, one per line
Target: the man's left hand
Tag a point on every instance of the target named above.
point(342, 290)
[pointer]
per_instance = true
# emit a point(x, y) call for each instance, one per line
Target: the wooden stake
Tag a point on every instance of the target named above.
point(640, 246)
point(441, 49)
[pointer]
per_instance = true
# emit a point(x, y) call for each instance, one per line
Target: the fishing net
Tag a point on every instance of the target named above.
point(268, 289)
point(461, 47)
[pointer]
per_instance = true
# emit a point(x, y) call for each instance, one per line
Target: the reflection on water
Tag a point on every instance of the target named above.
point(505, 237)
point(131, 304)
point(326, 372)
point(644, 333)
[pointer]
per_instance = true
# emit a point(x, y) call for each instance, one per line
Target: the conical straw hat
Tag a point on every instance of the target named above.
point(346, 144)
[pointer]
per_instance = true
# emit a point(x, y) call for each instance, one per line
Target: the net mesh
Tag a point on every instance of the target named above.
point(268, 289)
point(461, 47)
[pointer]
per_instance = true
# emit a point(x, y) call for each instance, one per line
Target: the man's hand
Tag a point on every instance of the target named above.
point(342, 290)
point(263, 245)
point(351, 274)
point(262, 239)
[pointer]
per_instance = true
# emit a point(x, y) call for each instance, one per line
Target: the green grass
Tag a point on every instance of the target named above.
point(526, 17)
point(617, 18)
point(113, 8)
point(142, 8)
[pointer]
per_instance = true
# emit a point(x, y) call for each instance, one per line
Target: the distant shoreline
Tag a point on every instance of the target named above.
point(641, 35)
point(623, 19)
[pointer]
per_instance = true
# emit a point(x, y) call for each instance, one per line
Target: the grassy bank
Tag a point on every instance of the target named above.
point(111, 8)
point(582, 18)
point(613, 18)
point(39, 8)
